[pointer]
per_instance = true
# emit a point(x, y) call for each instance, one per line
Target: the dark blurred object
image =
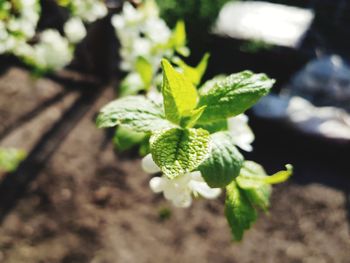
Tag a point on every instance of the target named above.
point(324, 81)
point(98, 52)
point(52, 16)
point(195, 12)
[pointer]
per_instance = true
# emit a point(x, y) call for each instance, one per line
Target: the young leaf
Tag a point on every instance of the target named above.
point(224, 162)
point(253, 175)
point(234, 95)
point(194, 74)
point(239, 211)
point(178, 39)
point(145, 70)
point(133, 112)
point(254, 181)
point(209, 84)
point(125, 139)
point(280, 176)
point(191, 120)
point(177, 151)
point(180, 96)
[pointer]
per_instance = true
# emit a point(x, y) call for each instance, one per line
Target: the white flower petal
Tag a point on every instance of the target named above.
point(204, 190)
point(157, 184)
point(241, 132)
point(75, 30)
point(149, 166)
point(183, 201)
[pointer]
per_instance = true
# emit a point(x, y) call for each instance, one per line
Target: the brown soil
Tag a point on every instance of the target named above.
point(84, 203)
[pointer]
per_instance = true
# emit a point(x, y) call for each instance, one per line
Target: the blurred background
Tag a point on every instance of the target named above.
point(68, 195)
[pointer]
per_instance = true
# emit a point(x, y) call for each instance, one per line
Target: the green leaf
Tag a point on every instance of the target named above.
point(233, 95)
point(145, 69)
point(280, 176)
point(214, 127)
point(194, 74)
point(178, 151)
point(178, 39)
point(239, 211)
point(259, 196)
point(125, 139)
point(180, 96)
point(209, 84)
point(253, 175)
point(134, 112)
point(191, 120)
point(224, 162)
point(144, 148)
point(256, 183)
point(10, 159)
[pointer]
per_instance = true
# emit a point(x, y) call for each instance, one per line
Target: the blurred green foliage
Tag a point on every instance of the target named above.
point(10, 159)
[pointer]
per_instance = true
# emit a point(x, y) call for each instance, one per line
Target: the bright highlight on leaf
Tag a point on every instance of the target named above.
point(180, 96)
point(179, 151)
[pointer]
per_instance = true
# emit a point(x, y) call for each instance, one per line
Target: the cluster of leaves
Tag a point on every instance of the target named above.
point(188, 133)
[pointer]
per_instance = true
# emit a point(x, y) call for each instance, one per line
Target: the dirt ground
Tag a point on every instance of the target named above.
point(84, 203)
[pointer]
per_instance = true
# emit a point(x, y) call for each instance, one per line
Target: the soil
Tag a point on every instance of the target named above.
point(81, 202)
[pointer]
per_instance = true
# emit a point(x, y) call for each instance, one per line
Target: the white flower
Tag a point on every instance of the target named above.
point(17, 28)
point(74, 30)
point(52, 52)
point(241, 132)
point(141, 32)
point(156, 30)
point(89, 10)
point(181, 189)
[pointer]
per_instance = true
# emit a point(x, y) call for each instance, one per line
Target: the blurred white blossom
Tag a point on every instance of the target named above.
point(74, 30)
point(88, 10)
point(18, 23)
point(141, 32)
point(181, 189)
point(241, 132)
point(52, 52)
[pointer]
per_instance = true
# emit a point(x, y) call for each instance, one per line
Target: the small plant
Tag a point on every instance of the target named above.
point(193, 136)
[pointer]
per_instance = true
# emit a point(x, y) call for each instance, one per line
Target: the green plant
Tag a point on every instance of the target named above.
point(192, 145)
